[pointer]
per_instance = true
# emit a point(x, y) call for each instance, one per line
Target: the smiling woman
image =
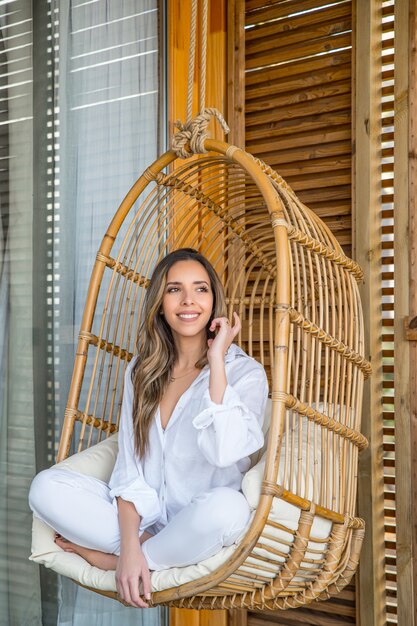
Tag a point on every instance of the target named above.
point(186, 306)
point(192, 413)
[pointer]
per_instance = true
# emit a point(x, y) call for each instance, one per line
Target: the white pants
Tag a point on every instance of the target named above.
point(80, 509)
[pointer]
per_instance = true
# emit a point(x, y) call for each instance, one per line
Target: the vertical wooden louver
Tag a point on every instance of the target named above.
point(387, 291)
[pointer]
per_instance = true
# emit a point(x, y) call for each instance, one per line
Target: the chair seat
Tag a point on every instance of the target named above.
point(98, 461)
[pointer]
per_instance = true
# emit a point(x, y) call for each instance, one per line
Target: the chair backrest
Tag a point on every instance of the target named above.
point(288, 279)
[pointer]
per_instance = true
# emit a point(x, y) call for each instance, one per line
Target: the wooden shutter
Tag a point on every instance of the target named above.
point(298, 118)
point(297, 93)
point(298, 100)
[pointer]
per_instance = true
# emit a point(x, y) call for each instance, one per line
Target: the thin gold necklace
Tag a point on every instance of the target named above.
point(182, 375)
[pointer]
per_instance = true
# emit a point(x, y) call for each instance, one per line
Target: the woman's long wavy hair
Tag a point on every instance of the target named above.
point(156, 347)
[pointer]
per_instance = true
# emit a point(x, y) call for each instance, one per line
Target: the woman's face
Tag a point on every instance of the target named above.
point(187, 303)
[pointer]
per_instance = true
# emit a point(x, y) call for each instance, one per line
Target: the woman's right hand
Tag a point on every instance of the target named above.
point(131, 569)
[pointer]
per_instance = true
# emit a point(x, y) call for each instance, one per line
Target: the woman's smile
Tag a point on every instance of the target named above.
point(188, 317)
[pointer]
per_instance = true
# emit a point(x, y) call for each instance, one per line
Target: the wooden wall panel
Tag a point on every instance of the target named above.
point(188, 617)
point(178, 21)
point(412, 151)
point(404, 270)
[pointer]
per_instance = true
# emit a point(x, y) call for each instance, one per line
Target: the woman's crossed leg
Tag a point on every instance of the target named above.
point(80, 510)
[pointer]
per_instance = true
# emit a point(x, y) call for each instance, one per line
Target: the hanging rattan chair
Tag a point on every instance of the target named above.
point(296, 294)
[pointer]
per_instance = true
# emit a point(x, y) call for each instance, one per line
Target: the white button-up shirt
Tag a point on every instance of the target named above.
point(204, 445)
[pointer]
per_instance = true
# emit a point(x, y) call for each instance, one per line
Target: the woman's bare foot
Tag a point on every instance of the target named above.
point(64, 543)
point(103, 560)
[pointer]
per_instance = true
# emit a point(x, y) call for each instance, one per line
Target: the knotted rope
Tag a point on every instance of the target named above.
point(194, 133)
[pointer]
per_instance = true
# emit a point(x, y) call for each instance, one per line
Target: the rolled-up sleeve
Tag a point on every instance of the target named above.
point(232, 430)
point(127, 480)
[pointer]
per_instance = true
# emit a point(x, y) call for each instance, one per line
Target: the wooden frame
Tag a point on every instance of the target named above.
point(366, 194)
point(177, 57)
point(404, 306)
point(412, 151)
point(178, 14)
point(236, 71)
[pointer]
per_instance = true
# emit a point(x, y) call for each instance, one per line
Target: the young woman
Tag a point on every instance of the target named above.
point(191, 415)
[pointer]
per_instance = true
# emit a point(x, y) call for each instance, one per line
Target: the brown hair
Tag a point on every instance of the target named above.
point(156, 347)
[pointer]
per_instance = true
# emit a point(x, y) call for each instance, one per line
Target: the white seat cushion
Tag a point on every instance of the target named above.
point(98, 461)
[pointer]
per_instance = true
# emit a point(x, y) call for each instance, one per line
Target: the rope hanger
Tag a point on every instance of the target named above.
point(192, 135)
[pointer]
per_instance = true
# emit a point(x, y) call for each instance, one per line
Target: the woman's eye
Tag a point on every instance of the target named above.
point(176, 289)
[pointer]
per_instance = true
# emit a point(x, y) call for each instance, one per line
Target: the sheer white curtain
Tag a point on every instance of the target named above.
point(79, 85)
point(108, 133)
point(19, 579)
point(107, 103)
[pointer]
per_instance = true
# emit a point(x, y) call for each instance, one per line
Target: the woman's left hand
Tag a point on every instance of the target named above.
point(224, 337)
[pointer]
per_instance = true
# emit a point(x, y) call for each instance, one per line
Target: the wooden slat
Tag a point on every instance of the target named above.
point(297, 69)
point(297, 81)
point(274, 130)
point(189, 617)
point(310, 131)
point(320, 180)
point(238, 617)
point(290, 5)
point(281, 55)
point(300, 28)
point(317, 152)
point(263, 10)
point(326, 194)
point(335, 612)
point(288, 98)
point(299, 110)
